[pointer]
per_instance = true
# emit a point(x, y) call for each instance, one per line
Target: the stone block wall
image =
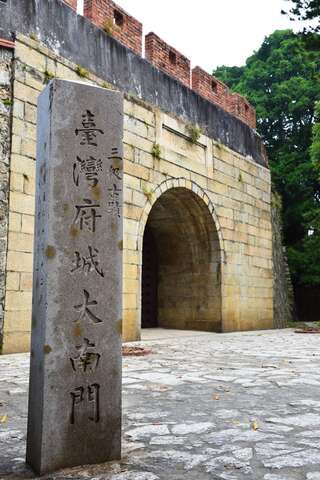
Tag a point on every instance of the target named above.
point(116, 22)
point(233, 188)
point(167, 58)
point(6, 56)
point(283, 299)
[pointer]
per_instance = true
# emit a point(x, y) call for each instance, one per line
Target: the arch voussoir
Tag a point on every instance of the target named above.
point(179, 183)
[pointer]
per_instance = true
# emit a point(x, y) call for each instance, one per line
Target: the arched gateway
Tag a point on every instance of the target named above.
point(196, 183)
point(182, 252)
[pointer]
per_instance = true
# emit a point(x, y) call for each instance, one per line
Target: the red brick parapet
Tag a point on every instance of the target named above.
point(167, 58)
point(241, 108)
point(116, 22)
point(217, 92)
point(210, 87)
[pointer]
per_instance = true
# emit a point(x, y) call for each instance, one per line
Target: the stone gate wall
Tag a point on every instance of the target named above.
point(226, 168)
point(6, 55)
point(283, 296)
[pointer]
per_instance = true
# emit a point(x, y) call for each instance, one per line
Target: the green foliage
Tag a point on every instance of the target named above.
point(156, 151)
point(282, 81)
point(82, 72)
point(7, 102)
point(48, 76)
point(305, 10)
point(194, 132)
point(147, 192)
point(230, 75)
point(276, 200)
point(108, 26)
point(305, 260)
point(315, 146)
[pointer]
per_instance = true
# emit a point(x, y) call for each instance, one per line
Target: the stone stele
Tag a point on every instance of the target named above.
point(75, 379)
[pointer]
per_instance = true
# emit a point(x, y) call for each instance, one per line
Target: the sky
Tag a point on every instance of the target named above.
point(211, 32)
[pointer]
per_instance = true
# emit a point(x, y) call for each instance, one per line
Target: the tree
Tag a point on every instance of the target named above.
point(305, 10)
point(282, 81)
point(315, 146)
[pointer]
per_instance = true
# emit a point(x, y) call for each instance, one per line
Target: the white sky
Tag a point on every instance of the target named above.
point(211, 32)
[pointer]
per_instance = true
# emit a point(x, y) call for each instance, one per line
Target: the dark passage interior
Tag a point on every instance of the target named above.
point(149, 302)
point(181, 265)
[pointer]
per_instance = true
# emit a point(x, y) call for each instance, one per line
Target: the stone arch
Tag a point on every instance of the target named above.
point(176, 183)
point(180, 220)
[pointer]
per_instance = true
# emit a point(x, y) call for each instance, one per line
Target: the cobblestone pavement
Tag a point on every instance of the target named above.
point(201, 406)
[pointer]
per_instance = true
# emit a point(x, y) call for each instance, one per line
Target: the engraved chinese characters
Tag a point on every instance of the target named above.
point(75, 380)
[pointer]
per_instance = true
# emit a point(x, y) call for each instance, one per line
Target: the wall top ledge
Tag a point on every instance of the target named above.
point(75, 38)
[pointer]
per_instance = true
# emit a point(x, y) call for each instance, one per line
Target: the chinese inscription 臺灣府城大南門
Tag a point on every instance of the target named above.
point(88, 394)
point(90, 167)
point(86, 215)
point(87, 358)
point(87, 263)
point(85, 312)
point(89, 131)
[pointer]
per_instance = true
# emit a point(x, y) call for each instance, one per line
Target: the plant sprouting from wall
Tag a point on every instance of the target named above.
point(108, 26)
point(147, 192)
point(7, 102)
point(194, 132)
point(156, 151)
point(48, 76)
point(82, 72)
point(276, 200)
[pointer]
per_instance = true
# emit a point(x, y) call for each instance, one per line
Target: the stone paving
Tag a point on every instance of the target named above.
point(201, 406)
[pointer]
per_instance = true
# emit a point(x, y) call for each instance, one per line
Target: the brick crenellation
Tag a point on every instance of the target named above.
point(217, 92)
point(210, 87)
point(241, 108)
point(167, 58)
point(116, 22)
point(127, 30)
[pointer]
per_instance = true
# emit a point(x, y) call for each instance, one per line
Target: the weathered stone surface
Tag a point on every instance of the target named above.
point(5, 125)
point(151, 449)
point(283, 301)
point(75, 378)
point(298, 420)
point(186, 428)
point(271, 476)
point(296, 459)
